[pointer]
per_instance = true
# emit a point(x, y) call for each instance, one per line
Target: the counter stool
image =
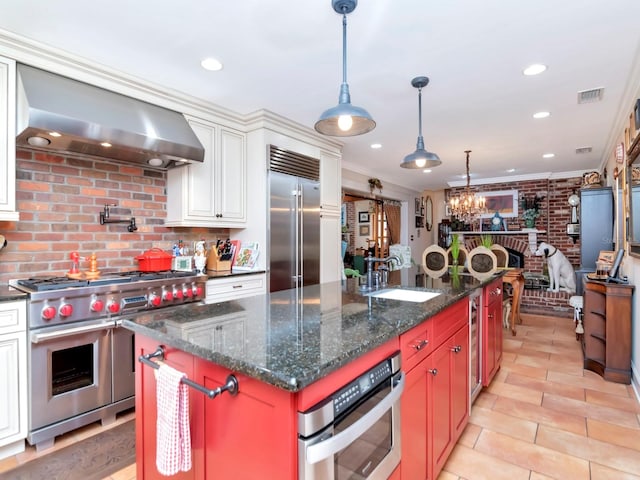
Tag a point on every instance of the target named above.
point(576, 301)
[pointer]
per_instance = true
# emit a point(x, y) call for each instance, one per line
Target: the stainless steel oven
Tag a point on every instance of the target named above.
point(355, 433)
point(74, 371)
point(81, 361)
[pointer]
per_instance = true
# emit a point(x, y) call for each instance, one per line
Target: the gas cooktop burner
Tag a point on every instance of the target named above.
point(41, 284)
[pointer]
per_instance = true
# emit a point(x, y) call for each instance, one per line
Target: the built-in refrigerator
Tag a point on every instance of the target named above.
point(294, 231)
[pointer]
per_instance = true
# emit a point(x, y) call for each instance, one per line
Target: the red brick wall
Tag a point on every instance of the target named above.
point(555, 214)
point(60, 199)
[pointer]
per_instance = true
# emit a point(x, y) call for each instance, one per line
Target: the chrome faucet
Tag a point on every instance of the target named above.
point(371, 283)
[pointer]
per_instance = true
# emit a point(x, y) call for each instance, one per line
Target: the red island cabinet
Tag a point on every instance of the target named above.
point(491, 331)
point(435, 401)
point(252, 435)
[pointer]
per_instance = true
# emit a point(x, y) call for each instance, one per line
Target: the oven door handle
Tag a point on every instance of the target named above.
point(37, 337)
point(323, 450)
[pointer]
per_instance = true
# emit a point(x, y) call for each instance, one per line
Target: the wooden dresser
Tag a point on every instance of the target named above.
point(607, 330)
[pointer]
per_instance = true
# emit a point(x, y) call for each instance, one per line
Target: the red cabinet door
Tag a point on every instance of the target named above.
point(492, 332)
point(247, 436)
point(146, 409)
point(414, 424)
point(439, 399)
point(460, 381)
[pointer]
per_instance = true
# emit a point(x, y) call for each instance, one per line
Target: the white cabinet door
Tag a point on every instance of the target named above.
point(330, 182)
point(13, 377)
point(231, 175)
point(8, 140)
point(330, 259)
point(212, 193)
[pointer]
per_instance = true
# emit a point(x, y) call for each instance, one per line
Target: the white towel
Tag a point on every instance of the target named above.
point(173, 437)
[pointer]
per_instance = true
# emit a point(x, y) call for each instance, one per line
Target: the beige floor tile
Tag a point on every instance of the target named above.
point(526, 370)
point(565, 368)
point(612, 456)
point(504, 423)
point(562, 420)
point(472, 464)
point(544, 386)
point(602, 398)
point(600, 472)
point(469, 435)
point(515, 392)
point(590, 380)
point(614, 434)
point(547, 461)
point(597, 412)
point(447, 476)
point(538, 476)
point(486, 399)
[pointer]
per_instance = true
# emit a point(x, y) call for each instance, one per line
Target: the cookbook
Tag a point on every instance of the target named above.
point(246, 256)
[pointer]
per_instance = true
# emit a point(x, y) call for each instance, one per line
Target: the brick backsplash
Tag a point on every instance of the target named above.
point(60, 199)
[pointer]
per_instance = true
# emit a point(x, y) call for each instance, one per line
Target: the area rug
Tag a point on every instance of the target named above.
point(91, 459)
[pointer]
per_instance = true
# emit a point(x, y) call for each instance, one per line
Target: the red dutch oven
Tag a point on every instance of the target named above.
point(154, 260)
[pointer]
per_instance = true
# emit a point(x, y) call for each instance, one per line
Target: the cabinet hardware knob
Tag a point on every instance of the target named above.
point(420, 345)
point(457, 349)
point(433, 371)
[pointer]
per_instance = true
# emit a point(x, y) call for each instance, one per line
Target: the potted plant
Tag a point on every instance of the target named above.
point(529, 216)
point(455, 250)
point(531, 209)
point(375, 183)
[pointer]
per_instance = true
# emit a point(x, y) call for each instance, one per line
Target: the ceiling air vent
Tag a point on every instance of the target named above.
point(583, 150)
point(590, 96)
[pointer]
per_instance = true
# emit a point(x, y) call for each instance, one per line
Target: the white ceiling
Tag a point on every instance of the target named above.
point(286, 57)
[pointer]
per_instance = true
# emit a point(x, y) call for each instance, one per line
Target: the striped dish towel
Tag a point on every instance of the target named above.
point(173, 437)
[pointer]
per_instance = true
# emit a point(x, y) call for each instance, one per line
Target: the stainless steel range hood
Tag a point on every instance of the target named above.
point(56, 113)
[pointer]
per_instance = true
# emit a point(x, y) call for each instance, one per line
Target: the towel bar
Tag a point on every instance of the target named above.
point(230, 386)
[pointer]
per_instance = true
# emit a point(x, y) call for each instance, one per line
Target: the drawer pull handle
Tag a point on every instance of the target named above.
point(420, 345)
point(237, 286)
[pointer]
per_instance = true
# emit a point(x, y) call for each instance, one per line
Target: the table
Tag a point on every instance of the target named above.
point(515, 278)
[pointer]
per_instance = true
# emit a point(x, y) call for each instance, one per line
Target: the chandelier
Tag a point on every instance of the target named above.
point(467, 207)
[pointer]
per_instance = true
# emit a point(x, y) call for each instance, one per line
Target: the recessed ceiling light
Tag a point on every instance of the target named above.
point(511, 170)
point(534, 69)
point(106, 144)
point(548, 155)
point(55, 134)
point(211, 64)
point(376, 146)
point(541, 114)
point(426, 170)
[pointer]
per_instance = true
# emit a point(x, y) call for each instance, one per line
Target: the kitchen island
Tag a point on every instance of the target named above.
point(288, 351)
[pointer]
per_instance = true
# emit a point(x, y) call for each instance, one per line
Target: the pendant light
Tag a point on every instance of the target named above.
point(344, 120)
point(420, 158)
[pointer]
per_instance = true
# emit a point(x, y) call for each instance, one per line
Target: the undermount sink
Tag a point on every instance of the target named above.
point(404, 295)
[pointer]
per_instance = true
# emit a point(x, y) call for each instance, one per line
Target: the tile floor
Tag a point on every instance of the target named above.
point(545, 417)
point(542, 417)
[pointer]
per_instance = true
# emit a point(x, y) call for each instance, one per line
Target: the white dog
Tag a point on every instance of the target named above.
point(561, 274)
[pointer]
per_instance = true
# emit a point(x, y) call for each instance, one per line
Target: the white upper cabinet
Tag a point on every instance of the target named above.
point(212, 193)
point(8, 140)
point(330, 182)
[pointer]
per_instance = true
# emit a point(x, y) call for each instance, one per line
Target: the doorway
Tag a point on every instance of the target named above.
point(369, 225)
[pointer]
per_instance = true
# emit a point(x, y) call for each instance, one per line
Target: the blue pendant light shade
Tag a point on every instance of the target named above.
point(421, 158)
point(344, 120)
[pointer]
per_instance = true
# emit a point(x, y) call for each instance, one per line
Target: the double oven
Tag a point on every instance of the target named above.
point(354, 434)
point(81, 362)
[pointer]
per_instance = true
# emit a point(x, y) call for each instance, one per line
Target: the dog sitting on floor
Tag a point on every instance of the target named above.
point(561, 274)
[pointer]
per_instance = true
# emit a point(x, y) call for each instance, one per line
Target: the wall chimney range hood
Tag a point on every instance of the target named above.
point(59, 114)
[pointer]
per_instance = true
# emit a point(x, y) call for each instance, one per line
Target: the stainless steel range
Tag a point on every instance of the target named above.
point(81, 361)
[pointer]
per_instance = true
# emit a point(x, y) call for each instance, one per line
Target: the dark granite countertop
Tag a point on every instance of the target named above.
point(291, 341)
point(9, 294)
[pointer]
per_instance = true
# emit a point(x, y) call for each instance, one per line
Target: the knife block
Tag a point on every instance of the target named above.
point(214, 264)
